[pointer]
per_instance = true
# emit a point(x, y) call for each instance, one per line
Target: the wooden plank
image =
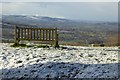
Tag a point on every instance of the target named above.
point(18, 33)
point(49, 34)
point(43, 35)
point(35, 39)
point(21, 32)
point(25, 33)
point(52, 34)
point(28, 33)
point(15, 34)
point(37, 34)
point(56, 34)
point(41, 28)
point(40, 34)
point(34, 34)
point(46, 34)
point(31, 33)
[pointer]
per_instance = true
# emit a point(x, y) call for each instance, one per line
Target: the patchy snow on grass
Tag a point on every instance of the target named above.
point(67, 62)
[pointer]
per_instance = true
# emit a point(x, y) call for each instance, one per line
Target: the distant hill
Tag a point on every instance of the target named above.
point(30, 20)
point(44, 21)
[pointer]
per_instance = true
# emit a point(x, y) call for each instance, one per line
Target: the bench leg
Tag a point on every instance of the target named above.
point(56, 44)
point(17, 42)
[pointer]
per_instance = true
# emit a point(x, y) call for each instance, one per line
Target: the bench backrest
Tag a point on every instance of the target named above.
point(36, 34)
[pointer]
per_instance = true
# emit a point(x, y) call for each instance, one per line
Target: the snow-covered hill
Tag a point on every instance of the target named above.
point(31, 19)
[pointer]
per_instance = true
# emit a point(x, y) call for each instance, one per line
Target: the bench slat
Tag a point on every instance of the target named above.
point(46, 34)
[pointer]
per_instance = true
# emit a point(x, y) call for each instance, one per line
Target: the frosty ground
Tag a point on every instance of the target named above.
point(67, 62)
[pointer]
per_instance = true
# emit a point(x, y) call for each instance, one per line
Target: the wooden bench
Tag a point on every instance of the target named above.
point(47, 35)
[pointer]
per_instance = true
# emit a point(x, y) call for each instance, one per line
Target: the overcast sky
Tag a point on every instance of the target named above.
point(91, 11)
point(60, 0)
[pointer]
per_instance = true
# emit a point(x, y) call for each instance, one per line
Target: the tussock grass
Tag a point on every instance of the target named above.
point(42, 46)
point(21, 45)
point(24, 45)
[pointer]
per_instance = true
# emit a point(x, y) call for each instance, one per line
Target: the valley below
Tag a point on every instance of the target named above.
point(70, 32)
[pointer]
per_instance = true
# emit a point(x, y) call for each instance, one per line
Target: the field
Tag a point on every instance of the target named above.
point(64, 62)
